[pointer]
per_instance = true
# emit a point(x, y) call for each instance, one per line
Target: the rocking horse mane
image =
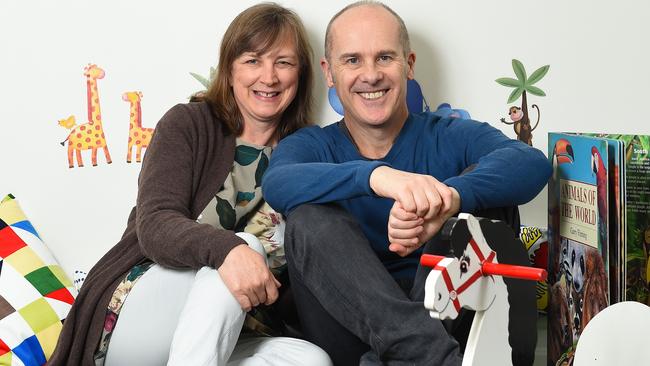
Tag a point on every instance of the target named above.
point(522, 327)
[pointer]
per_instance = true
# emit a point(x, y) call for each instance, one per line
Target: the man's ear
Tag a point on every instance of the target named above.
point(410, 60)
point(327, 72)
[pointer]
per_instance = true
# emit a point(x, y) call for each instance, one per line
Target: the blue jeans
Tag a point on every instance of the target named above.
point(347, 301)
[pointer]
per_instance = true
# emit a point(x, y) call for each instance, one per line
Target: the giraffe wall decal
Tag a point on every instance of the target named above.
point(90, 135)
point(138, 135)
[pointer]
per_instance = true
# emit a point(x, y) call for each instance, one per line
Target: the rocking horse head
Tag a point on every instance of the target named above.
point(459, 282)
point(504, 324)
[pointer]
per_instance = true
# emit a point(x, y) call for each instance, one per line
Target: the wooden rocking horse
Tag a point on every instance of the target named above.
point(504, 328)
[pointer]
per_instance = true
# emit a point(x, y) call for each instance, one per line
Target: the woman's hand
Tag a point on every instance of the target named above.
point(245, 273)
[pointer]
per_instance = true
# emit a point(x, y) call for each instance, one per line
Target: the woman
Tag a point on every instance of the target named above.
point(176, 287)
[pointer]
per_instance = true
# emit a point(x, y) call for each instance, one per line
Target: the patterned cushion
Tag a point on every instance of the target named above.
point(35, 293)
point(78, 279)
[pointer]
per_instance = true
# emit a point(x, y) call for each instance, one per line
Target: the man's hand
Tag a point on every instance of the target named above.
point(246, 275)
point(430, 203)
point(404, 229)
point(420, 194)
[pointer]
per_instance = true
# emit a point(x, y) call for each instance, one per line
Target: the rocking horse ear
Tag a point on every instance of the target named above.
point(459, 236)
point(448, 227)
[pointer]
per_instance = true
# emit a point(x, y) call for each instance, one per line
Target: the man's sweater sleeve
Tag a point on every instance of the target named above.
point(301, 171)
point(506, 172)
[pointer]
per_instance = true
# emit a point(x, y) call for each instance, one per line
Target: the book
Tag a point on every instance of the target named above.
point(635, 249)
point(615, 165)
point(623, 234)
point(579, 241)
point(634, 212)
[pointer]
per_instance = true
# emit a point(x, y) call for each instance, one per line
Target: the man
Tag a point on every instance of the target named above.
point(365, 194)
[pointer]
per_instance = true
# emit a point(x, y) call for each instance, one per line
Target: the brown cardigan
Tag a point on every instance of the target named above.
point(184, 167)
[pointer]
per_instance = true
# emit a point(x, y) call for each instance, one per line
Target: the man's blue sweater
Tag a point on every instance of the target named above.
point(317, 165)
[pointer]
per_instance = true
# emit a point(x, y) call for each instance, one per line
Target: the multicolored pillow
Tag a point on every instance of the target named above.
point(35, 292)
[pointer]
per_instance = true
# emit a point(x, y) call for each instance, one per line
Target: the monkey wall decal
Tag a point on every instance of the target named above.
point(521, 123)
point(523, 85)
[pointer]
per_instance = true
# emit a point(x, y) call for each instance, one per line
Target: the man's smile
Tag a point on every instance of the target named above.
point(373, 95)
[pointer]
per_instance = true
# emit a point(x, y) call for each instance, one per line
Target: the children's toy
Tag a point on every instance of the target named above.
point(617, 335)
point(445, 110)
point(504, 328)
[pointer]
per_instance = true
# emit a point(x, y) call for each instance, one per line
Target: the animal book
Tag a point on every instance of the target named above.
point(635, 223)
point(616, 180)
point(632, 210)
point(626, 253)
point(578, 234)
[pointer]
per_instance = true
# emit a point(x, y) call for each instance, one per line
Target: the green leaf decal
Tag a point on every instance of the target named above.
point(537, 75)
point(510, 82)
point(205, 82)
point(261, 168)
point(226, 214)
point(535, 91)
point(244, 197)
point(515, 94)
point(244, 155)
point(520, 71)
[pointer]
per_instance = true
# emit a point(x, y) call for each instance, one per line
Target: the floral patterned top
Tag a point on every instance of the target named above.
point(238, 206)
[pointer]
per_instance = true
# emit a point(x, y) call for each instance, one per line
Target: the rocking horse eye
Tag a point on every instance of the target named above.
point(463, 267)
point(573, 257)
point(439, 296)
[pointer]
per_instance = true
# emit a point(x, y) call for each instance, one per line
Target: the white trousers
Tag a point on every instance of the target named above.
point(190, 318)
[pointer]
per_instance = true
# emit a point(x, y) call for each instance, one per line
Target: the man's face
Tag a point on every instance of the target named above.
point(368, 67)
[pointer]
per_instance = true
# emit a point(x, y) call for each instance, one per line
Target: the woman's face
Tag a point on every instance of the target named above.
point(264, 85)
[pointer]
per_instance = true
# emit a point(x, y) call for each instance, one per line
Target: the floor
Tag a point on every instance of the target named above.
point(540, 351)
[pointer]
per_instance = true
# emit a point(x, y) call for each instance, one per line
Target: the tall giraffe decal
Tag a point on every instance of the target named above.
point(138, 136)
point(90, 135)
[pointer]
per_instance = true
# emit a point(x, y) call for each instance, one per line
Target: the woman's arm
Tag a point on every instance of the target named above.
point(166, 191)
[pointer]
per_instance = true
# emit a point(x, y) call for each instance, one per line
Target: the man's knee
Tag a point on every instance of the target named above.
point(311, 227)
point(301, 230)
point(312, 214)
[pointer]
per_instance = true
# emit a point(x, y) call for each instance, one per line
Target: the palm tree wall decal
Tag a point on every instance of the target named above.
point(522, 85)
point(205, 81)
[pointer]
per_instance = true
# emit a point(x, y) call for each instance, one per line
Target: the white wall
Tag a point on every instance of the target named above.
point(598, 81)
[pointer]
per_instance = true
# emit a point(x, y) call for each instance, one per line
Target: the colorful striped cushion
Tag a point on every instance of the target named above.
point(35, 292)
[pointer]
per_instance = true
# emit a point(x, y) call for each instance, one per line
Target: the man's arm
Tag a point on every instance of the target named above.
point(505, 172)
point(302, 171)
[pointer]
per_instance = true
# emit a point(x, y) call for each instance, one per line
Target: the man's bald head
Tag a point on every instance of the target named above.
point(403, 32)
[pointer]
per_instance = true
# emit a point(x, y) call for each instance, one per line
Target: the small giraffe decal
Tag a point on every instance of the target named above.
point(138, 135)
point(90, 135)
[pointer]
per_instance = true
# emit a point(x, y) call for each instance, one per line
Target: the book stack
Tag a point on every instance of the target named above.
point(598, 231)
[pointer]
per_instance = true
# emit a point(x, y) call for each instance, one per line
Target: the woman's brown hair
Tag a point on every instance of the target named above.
point(258, 29)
